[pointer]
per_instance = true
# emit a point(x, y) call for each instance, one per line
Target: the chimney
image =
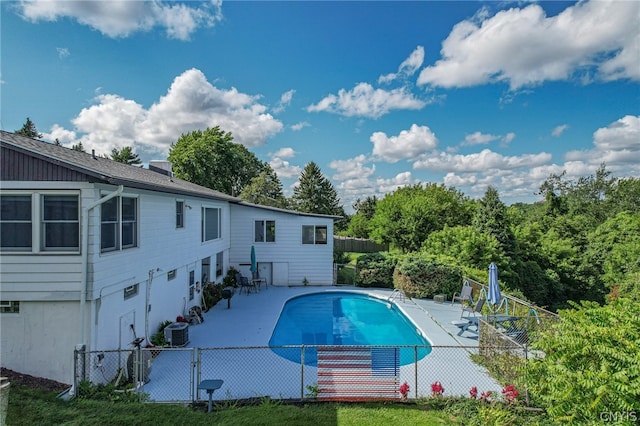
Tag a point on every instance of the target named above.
point(93, 154)
point(162, 167)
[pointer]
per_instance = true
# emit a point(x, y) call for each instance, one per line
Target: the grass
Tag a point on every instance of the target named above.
point(31, 406)
point(28, 406)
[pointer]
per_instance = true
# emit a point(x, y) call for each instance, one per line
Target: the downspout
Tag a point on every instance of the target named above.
point(85, 259)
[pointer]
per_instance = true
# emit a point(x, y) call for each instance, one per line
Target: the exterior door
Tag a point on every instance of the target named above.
point(266, 271)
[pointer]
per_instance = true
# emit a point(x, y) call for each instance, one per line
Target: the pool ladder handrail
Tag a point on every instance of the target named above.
point(397, 293)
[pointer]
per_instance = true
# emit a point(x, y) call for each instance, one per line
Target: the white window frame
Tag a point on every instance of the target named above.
point(219, 264)
point(217, 235)
point(316, 240)
point(180, 213)
point(119, 224)
point(9, 307)
point(39, 224)
point(263, 235)
point(131, 291)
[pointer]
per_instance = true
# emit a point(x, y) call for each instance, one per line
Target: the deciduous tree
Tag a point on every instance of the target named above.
point(210, 158)
point(265, 189)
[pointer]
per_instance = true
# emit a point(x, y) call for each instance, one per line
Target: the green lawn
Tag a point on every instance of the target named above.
point(29, 406)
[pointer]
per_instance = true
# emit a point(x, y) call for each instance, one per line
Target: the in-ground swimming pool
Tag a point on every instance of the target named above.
point(344, 318)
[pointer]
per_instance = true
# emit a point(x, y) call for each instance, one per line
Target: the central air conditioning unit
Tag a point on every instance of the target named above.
point(177, 334)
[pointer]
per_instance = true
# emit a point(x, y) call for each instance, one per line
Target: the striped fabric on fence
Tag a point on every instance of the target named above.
point(358, 373)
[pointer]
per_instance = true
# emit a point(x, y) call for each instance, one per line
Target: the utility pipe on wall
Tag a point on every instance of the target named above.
point(84, 290)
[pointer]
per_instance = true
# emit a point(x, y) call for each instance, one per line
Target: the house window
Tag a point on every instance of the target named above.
point(119, 224)
point(206, 270)
point(40, 222)
point(172, 274)
point(60, 223)
point(15, 222)
point(210, 224)
point(192, 284)
point(179, 214)
point(9, 307)
point(219, 264)
point(130, 291)
point(265, 231)
point(312, 234)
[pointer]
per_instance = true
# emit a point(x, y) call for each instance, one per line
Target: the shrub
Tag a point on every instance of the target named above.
point(420, 276)
point(591, 363)
point(375, 270)
point(229, 280)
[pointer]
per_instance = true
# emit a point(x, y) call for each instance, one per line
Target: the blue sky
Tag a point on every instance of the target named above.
point(378, 94)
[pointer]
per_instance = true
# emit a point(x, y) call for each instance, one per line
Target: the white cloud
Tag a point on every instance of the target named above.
point(508, 138)
point(284, 153)
point(479, 138)
point(559, 130)
point(191, 103)
point(283, 169)
point(480, 161)
point(365, 101)
point(524, 47)
point(618, 145)
point(63, 52)
point(407, 68)
point(121, 18)
point(398, 181)
point(66, 137)
point(408, 144)
point(299, 126)
point(352, 169)
point(285, 101)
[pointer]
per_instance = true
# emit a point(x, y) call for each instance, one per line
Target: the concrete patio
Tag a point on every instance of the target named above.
point(238, 353)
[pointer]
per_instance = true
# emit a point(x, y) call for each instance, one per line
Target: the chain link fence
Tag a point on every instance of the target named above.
point(342, 373)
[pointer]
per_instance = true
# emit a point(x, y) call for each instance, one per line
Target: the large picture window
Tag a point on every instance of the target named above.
point(211, 224)
point(312, 234)
point(119, 224)
point(265, 231)
point(40, 222)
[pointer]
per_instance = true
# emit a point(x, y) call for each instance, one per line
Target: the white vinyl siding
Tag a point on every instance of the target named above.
point(291, 261)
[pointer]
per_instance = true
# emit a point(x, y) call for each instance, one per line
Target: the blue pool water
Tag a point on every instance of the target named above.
point(343, 318)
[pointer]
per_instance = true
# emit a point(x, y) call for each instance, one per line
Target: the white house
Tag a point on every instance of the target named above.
point(96, 253)
point(291, 248)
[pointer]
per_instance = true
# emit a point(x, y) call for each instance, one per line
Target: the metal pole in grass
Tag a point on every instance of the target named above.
point(415, 368)
point(302, 372)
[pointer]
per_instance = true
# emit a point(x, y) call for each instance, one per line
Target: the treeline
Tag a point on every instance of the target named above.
point(581, 243)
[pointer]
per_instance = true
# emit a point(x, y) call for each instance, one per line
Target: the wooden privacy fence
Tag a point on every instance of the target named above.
point(358, 245)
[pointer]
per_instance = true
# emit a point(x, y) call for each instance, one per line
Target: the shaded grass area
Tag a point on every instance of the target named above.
point(29, 406)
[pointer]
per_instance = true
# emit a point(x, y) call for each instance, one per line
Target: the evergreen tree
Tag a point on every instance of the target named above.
point(491, 218)
point(78, 147)
point(125, 155)
point(315, 193)
point(29, 130)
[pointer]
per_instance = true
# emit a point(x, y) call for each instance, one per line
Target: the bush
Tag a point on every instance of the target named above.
point(420, 276)
point(591, 364)
point(229, 280)
point(212, 293)
point(375, 270)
